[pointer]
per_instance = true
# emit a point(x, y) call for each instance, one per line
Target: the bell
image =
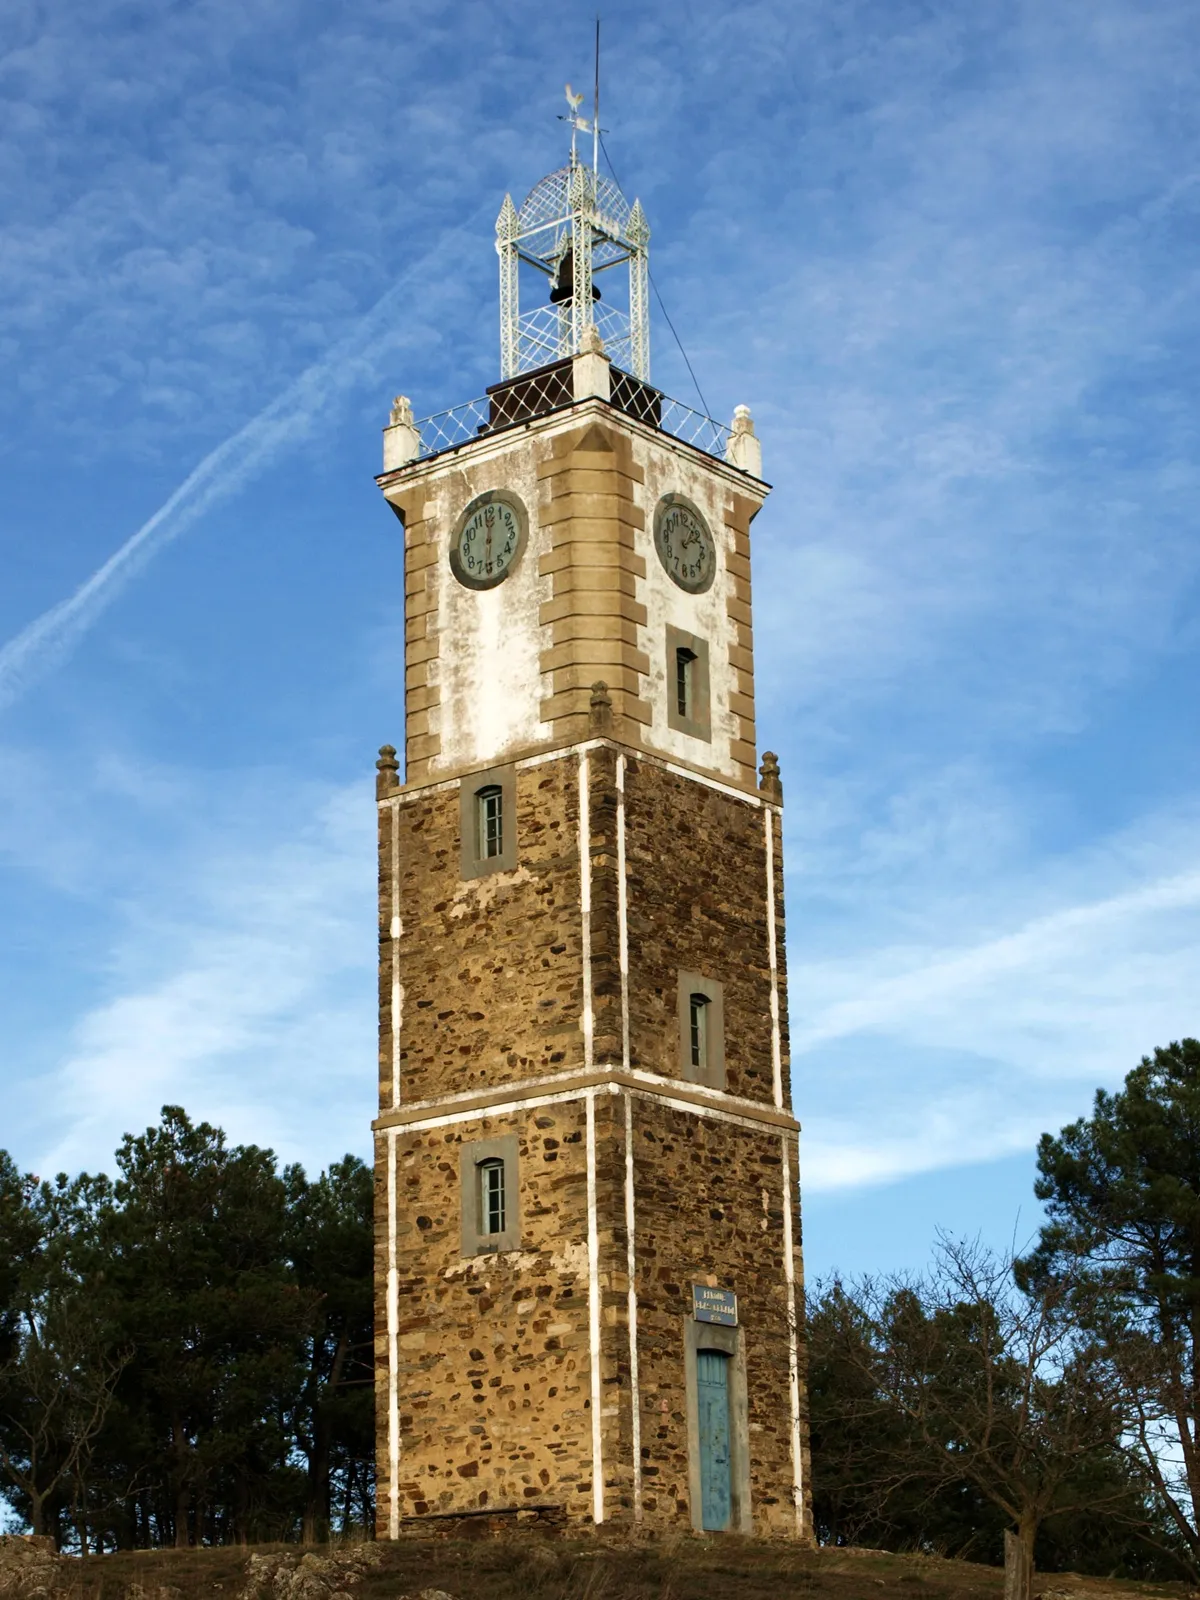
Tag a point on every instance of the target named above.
point(563, 286)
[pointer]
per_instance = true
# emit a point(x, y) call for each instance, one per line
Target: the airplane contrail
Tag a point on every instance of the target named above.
point(50, 638)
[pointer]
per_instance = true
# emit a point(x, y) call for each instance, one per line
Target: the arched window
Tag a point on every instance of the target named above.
point(489, 821)
point(701, 1029)
point(687, 687)
point(698, 1005)
point(489, 1171)
point(491, 1196)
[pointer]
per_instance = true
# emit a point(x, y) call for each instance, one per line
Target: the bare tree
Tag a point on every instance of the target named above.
point(56, 1390)
point(997, 1389)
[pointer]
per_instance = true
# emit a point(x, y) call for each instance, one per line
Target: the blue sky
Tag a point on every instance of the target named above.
point(945, 251)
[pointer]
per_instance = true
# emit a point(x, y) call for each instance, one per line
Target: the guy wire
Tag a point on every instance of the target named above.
point(659, 298)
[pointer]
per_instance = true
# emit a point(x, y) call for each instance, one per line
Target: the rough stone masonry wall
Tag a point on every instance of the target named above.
point(495, 1370)
point(490, 967)
point(709, 1205)
point(697, 891)
point(494, 1351)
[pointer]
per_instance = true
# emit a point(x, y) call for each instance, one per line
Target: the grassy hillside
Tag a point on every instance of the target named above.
point(534, 1568)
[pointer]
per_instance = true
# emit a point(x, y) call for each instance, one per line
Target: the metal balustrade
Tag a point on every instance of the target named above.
point(535, 394)
point(693, 427)
point(444, 430)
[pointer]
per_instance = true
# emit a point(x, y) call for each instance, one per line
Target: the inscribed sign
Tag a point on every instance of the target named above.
point(714, 1305)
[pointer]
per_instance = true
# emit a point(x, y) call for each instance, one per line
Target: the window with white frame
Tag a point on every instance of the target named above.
point(489, 821)
point(488, 1174)
point(491, 1196)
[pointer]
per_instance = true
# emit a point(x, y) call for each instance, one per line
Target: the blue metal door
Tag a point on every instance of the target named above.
point(712, 1394)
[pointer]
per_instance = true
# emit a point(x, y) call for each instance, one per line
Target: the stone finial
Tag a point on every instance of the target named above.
point(600, 710)
point(387, 772)
point(769, 785)
point(592, 344)
point(401, 440)
point(744, 449)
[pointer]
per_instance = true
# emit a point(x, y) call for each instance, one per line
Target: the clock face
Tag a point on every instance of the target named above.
point(684, 544)
point(488, 540)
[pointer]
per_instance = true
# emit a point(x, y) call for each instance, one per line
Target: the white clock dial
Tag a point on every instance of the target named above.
point(488, 540)
point(684, 544)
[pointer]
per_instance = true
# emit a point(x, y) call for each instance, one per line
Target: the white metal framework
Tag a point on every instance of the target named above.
point(573, 225)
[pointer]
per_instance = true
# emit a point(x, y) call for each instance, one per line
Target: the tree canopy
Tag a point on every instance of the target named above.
point(1122, 1194)
point(187, 1350)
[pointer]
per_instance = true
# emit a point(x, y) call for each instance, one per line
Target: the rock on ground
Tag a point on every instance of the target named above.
point(283, 1576)
point(29, 1568)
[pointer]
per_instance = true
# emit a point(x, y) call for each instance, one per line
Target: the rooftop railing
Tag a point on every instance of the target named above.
point(537, 393)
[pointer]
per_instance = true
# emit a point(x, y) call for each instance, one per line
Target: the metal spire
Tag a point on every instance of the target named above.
point(596, 113)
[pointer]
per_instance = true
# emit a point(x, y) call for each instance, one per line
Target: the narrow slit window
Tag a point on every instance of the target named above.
point(698, 1030)
point(685, 681)
point(491, 1197)
point(489, 805)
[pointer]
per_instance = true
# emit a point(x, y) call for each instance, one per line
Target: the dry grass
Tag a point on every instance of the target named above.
point(538, 1568)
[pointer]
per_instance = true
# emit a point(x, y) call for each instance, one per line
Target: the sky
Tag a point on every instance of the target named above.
point(946, 252)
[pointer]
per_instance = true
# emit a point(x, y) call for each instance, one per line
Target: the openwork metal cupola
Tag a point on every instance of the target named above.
point(572, 227)
point(585, 331)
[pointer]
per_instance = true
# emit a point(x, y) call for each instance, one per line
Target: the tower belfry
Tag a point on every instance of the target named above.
point(588, 1276)
point(572, 228)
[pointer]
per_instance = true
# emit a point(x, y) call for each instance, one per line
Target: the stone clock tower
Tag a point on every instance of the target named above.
point(588, 1256)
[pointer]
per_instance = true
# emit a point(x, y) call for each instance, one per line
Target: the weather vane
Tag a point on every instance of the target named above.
point(581, 124)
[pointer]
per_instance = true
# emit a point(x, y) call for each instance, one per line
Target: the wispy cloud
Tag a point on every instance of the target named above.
point(278, 427)
point(917, 1055)
point(920, 1001)
point(241, 991)
point(943, 251)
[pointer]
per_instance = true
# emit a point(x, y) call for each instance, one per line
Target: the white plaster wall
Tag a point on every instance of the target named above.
point(672, 472)
point(490, 641)
point(488, 662)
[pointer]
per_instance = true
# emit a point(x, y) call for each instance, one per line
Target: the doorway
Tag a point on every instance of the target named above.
point(718, 1428)
point(716, 1475)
